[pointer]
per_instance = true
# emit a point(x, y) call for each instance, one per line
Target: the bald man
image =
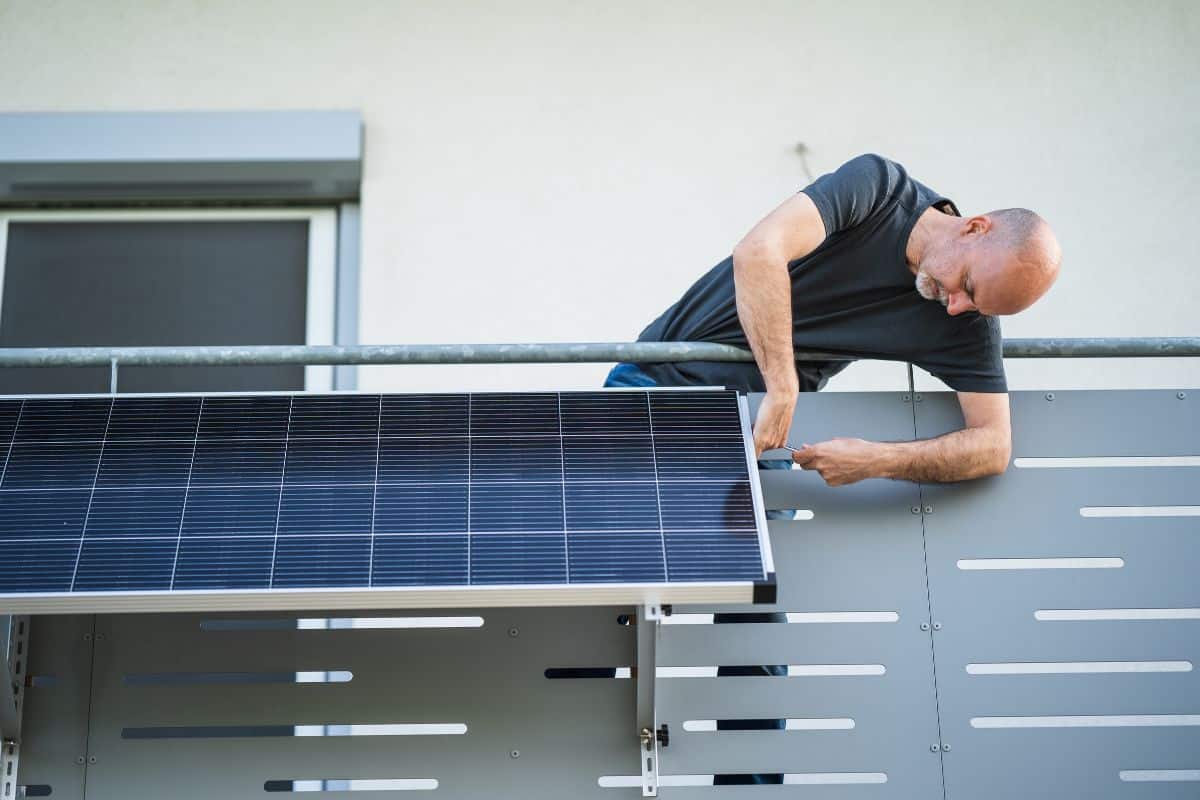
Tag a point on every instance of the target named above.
point(866, 262)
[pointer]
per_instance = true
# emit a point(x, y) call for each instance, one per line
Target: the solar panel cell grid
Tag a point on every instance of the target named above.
point(259, 492)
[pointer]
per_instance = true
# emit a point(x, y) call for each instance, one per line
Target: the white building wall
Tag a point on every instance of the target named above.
point(555, 171)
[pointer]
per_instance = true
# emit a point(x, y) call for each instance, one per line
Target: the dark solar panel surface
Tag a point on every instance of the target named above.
point(267, 491)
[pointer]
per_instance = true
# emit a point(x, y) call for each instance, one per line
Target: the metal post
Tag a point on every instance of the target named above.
point(647, 721)
point(14, 659)
point(112, 380)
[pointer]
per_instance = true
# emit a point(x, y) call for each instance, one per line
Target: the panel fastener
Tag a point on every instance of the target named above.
point(1049, 395)
point(91, 759)
point(917, 397)
point(915, 509)
point(945, 748)
point(924, 626)
point(514, 632)
point(928, 509)
point(514, 754)
point(937, 626)
point(933, 748)
point(1181, 395)
point(905, 398)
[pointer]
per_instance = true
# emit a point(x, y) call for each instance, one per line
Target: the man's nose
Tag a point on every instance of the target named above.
point(959, 303)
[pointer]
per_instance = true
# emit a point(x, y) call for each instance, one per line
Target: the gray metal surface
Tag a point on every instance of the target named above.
point(987, 616)
point(174, 156)
point(565, 733)
point(561, 353)
point(55, 731)
point(861, 552)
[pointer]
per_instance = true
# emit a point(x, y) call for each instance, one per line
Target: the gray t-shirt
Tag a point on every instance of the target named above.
point(854, 296)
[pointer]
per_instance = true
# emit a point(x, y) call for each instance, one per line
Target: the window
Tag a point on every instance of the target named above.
point(167, 277)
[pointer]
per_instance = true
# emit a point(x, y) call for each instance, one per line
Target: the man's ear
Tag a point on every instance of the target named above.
point(977, 225)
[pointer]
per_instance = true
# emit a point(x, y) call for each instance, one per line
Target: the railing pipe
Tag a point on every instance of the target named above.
point(588, 352)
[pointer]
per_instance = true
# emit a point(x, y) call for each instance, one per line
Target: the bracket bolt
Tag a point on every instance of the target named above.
point(1049, 395)
point(905, 398)
point(924, 626)
point(514, 754)
point(915, 509)
point(78, 759)
point(91, 759)
point(514, 632)
point(1181, 395)
point(928, 509)
point(933, 748)
point(937, 626)
point(945, 748)
point(917, 397)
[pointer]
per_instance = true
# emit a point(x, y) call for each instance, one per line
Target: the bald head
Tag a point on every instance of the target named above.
point(995, 263)
point(1027, 259)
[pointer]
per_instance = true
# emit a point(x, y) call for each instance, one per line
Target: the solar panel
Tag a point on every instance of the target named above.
point(194, 502)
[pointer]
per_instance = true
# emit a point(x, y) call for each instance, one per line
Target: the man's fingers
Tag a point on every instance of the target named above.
point(804, 455)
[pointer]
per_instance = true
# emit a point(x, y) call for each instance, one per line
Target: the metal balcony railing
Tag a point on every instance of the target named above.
point(533, 353)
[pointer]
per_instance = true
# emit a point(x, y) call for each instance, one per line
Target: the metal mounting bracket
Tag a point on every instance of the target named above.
point(647, 723)
point(14, 658)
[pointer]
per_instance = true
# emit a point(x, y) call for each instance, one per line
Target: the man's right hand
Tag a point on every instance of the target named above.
point(774, 421)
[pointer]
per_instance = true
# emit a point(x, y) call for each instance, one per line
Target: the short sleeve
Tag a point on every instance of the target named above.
point(851, 193)
point(972, 360)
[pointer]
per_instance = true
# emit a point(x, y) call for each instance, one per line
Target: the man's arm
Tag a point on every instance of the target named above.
point(763, 291)
point(983, 447)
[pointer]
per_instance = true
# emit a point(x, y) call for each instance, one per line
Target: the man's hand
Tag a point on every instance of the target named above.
point(840, 461)
point(773, 422)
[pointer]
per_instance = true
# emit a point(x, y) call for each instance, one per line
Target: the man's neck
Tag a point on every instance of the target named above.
point(930, 225)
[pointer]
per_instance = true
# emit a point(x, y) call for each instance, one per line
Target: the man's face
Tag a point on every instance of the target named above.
point(962, 277)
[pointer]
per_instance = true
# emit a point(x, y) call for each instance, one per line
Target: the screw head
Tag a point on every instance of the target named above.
point(945, 748)
point(78, 759)
point(87, 637)
point(928, 509)
point(933, 748)
point(1181, 395)
point(924, 626)
point(99, 637)
point(917, 397)
point(905, 398)
point(514, 632)
point(1049, 395)
point(915, 509)
point(937, 626)
point(514, 754)
point(91, 759)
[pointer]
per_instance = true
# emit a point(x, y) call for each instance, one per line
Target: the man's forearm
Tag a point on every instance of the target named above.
point(763, 292)
point(957, 456)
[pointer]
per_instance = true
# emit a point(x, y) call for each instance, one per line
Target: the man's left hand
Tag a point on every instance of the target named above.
point(840, 461)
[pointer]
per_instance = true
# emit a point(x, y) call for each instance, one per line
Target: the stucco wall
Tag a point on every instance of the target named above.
point(540, 171)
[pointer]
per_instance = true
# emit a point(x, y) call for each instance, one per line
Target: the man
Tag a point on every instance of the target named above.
point(848, 267)
point(867, 263)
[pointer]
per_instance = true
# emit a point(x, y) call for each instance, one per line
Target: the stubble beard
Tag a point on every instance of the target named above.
point(928, 288)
